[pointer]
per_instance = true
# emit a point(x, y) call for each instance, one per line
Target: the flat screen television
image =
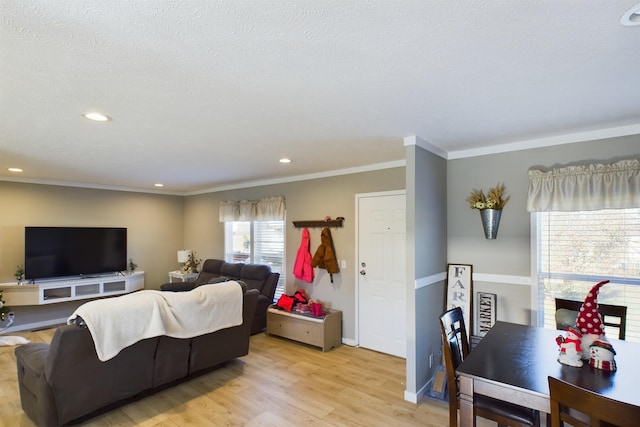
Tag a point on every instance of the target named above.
point(51, 252)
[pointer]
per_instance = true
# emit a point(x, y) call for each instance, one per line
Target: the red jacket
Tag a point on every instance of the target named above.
point(302, 267)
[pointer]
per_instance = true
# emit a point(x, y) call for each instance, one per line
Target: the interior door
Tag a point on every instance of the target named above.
point(382, 272)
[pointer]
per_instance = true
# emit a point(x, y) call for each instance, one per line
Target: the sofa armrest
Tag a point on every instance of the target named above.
point(177, 286)
point(36, 395)
point(270, 284)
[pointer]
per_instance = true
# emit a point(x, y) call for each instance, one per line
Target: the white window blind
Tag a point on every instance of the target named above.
point(578, 249)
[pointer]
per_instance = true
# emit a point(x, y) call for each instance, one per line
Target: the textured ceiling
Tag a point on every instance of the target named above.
point(206, 94)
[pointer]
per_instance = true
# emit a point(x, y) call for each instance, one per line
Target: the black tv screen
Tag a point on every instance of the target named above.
point(73, 251)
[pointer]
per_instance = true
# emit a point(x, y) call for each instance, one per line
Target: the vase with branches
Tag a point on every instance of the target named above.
point(490, 207)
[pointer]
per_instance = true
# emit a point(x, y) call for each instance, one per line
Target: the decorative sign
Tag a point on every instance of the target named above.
point(460, 292)
point(486, 315)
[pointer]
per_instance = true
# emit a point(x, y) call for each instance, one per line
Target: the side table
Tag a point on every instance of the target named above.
point(181, 276)
point(324, 332)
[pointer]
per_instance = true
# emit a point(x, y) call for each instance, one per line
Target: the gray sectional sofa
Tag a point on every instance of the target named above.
point(255, 276)
point(65, 382)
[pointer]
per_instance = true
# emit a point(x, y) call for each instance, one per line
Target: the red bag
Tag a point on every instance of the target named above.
point(285, 302)
point(300, 297)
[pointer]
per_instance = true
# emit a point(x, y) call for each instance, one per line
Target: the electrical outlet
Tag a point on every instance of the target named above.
point(431, 360)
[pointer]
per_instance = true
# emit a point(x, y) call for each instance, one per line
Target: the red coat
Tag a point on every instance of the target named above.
point(302, 267)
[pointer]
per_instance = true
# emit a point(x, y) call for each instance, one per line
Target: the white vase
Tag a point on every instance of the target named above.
point(490, 222)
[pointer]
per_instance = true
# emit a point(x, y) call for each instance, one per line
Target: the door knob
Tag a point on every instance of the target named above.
point(363, 272)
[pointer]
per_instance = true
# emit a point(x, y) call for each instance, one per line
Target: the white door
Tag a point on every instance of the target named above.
point(381, 272)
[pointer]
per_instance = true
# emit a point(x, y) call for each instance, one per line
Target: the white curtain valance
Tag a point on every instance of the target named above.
point(269, 209)
point(585, 188)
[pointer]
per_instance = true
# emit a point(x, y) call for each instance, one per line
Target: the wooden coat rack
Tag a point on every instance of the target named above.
point(319, 223)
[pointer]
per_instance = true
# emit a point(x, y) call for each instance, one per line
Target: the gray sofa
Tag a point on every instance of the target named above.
point(255, 276)
point(65, 381)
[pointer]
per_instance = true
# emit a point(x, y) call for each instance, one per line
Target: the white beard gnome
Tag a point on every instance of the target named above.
point(589, 320)
point(570, 349)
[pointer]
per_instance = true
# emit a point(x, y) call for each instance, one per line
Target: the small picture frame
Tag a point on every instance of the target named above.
point(460, 292)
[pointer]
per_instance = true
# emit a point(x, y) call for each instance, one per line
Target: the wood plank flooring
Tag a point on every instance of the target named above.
point(280, 383)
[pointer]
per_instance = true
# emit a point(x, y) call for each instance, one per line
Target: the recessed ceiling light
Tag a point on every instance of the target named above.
point(285, 160)
point(15, 170)
point(631, 17)
point(158, 185)
point(96, 117)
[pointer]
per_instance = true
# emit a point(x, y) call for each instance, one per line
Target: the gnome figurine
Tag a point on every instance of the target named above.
point(589, 320)
point(602, 354)
point(570, 350)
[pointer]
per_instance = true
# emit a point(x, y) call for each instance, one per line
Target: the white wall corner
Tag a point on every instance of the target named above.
point(416, 140)
point(416, 397)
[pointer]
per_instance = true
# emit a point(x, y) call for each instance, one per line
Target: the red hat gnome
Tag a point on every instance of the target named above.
point(589, 321)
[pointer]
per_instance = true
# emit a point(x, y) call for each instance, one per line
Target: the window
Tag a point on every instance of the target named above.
point(254, 233)
point(259, 242)
point(575, 250)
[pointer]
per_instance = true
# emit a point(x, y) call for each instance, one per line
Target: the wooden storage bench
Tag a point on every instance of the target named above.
point(324, 332)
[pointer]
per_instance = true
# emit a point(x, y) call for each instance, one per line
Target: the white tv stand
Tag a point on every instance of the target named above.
point(71, 289)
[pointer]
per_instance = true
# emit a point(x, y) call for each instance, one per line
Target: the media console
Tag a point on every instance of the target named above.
point(56, 291)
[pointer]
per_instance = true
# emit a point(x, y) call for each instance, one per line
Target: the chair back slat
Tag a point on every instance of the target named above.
point(455, 349)
point(593, 409)
point(612, 315)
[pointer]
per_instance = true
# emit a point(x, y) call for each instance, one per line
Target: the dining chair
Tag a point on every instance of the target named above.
point(593, 409)
point(612, 315)
point(455, 349)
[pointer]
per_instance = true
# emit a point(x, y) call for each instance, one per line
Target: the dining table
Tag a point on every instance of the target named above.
point(512, 362)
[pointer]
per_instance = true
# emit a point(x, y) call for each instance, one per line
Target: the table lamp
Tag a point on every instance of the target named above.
point(183, 255)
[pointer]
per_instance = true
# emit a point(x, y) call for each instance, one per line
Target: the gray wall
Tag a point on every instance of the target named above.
point(426, 257)
point(510, 253)
point(154, 229)
point(306, 200)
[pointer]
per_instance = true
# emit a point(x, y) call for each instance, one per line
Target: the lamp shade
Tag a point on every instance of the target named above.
point(183, 255)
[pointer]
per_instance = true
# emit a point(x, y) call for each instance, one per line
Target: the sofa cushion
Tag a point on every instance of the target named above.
point(254, 275)
point(565, 318)
point(177, 286)
point(215, 280)
point(212, 266)
point(231, 270)
point(210, 269)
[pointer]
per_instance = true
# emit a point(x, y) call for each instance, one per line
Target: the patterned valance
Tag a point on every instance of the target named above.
point(269, 209)
point(585, 188)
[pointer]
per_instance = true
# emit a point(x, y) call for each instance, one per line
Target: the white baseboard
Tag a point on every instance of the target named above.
point(350, 343)
point(416, 397)
point(37, 325)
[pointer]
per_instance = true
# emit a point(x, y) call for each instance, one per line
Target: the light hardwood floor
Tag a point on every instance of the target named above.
point(280, 383)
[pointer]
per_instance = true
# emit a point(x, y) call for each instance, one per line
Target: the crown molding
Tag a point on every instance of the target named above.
point(548, 142)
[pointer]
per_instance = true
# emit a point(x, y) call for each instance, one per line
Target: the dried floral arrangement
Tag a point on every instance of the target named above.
point(495, 198)
point(192, 263)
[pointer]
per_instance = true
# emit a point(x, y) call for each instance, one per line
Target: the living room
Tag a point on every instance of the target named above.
point(436, 186)
point(158, 225)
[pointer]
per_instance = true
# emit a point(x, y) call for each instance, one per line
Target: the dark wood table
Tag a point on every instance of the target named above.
point(512, 363)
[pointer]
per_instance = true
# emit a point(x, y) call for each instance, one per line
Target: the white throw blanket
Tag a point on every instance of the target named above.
point(116, 323)
point(7, 341)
